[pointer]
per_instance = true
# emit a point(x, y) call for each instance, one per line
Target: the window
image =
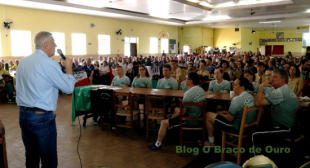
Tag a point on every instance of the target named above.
point(186, 48)
point(78, 44)
point(60, 42)
point(153, 45)
point(164, 45)
point(21, 43)
point(129, 40)
point(104, 44)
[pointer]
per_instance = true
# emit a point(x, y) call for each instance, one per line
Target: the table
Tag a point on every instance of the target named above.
point(154, 92)
point(222, 97)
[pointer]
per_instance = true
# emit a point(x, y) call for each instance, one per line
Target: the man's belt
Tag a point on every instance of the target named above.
point(32, 109)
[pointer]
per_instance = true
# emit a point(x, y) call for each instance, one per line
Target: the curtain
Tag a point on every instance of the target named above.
point(278, 50)
point(268, 50)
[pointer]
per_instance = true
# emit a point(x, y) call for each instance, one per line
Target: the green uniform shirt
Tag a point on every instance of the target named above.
point(214, 87)
point(256, 88)
point(169, 84)
point(142, 82)
point(268, 90)
point(120, 82)
point(194, 95)
point(183, 86)
point(237, 106)
point(284, 106)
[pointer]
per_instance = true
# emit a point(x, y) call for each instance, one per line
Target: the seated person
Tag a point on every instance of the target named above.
point(14, 67)
point(175, 70)
point(284, 106)
point(248, 74)
point(77, 65)
point(104, 71)
point(120, 80)
point(219, 84)
point(195, 94)
point(143, 80)
point(2, 70)
point(260, 76)
point(183, 84)
point(8, 88)
point(230, 121)
point(202, 69)
point(225, 67)
point(168, 82)
point(295, 81)
point(89, 68)
point(209, 66)
point(11, 64)
point(268, 89)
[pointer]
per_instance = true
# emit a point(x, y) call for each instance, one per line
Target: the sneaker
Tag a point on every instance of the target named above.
point(119, 109)
point(113, 128)
point(154, 147)
point(207, 143)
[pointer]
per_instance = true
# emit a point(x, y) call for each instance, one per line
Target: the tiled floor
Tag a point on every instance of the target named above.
point(97, 148)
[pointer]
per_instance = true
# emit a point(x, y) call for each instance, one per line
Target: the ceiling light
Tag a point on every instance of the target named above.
point(270, 22)
point(205, 4)
point(195, 1)
point(308, 10)
point(227, 4)
point(247, 2)
point(216, 18)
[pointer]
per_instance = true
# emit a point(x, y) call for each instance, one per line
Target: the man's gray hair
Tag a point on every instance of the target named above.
point(283, 74)
point(40, 38)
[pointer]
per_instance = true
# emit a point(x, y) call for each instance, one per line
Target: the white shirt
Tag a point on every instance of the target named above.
point(104, 69)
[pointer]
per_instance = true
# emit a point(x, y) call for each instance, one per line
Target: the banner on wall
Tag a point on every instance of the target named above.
point(302, 29)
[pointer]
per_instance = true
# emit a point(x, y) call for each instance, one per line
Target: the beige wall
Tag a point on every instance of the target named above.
point(37, 20)
point(195, 36)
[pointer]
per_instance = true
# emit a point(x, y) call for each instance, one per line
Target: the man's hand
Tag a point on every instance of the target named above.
point(68, 65)
point(266, 83)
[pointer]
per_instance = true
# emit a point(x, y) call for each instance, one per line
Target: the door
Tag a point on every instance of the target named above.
point(268, 50)
point(133, 49)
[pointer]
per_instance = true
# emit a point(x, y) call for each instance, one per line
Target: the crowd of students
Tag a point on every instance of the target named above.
point(257, 81)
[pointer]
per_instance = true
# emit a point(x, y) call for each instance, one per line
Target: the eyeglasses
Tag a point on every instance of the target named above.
point(141, 69)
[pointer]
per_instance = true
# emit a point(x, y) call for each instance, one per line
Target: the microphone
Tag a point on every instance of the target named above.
point(61, 54)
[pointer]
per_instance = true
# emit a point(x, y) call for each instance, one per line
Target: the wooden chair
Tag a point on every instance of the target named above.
point(241, 133)
point(202, 119)
point(129, 112)
point(155, 116)
point(3, 97)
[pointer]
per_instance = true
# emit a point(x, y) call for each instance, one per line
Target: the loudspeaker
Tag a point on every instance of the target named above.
point(236, 29)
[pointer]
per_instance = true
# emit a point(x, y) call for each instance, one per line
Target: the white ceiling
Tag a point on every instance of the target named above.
point(291, 13)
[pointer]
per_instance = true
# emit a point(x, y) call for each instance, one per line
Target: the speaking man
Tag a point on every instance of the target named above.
point(38, 81)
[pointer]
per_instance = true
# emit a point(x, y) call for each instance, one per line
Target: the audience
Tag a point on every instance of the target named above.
point(284, 106)
point(230, 121)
